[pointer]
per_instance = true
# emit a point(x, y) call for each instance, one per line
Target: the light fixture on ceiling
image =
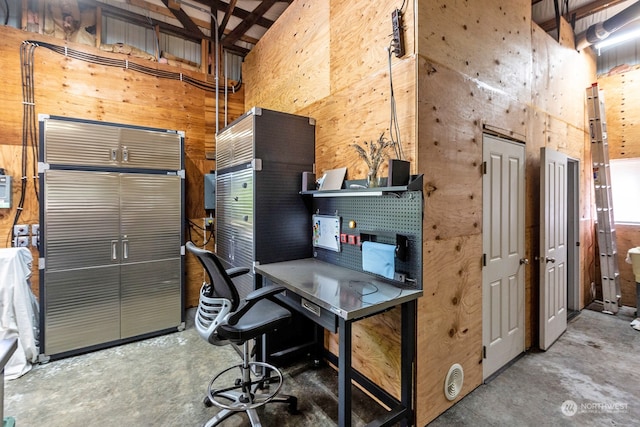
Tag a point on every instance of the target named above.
point(617, 39)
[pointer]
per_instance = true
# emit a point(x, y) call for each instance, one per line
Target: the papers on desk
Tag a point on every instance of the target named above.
point(379, 258)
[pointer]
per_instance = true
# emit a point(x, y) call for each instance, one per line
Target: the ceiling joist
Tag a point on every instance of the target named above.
point(582, 12)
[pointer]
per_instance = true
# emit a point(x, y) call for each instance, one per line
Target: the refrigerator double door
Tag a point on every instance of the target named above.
point(112, 256)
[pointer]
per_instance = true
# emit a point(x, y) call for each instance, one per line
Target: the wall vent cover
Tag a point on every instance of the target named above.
point(453, 381)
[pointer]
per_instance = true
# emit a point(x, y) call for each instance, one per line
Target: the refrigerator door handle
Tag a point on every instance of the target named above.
point(114, 250)
point(125, 154)
point(125, 249)
point(114, 154)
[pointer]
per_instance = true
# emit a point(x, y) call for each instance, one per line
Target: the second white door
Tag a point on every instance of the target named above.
point(553, 246)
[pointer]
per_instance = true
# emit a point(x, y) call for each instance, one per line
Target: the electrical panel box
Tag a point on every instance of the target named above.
point(5, 191)
point(210, 191)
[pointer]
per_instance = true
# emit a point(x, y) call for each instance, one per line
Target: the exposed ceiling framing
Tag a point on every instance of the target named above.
point(243, 22)
point(580, 12)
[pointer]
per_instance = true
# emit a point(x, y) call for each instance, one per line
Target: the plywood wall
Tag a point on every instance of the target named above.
point(622, 110)
point(470, 66)
point(340, 76)
point(500, 73)
point(73, 88)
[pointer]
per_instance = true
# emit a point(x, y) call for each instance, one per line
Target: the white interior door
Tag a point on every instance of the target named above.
point(553, 246)
point(503, 252)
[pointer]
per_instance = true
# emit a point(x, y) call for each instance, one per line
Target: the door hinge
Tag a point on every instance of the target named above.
point(484, 351)
point(484, 168)
point(484, 260)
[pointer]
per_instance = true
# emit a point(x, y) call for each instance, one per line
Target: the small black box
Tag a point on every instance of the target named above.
point(308, 181)
point(398, 172)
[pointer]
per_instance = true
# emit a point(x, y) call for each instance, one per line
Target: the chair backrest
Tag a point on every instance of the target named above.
point(221, 284)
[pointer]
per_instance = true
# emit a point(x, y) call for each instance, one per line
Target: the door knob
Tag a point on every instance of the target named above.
point(551, 260)
point(524, 261)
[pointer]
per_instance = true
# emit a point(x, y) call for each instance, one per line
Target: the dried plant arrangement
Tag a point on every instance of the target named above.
point(373, 153)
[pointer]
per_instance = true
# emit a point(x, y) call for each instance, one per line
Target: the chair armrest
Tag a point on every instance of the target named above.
point(237, 271)
point(252, 299)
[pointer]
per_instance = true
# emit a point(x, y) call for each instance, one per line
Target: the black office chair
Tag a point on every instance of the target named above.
point(223, 319)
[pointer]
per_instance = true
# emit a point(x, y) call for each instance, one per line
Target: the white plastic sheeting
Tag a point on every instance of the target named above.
point(18, 309)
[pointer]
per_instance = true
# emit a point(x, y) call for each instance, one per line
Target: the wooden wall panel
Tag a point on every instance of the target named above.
point(376, 349)
point(489, 41)
point(360, 37)
point(450, 152)
point(556, 80)
point(297, 73)
point(74, 88)
point(356, 114)
point(449, 320)
point(513, 82)
point(622, 107)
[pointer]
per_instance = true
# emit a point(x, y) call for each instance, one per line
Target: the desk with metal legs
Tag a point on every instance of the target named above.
point(335, 297)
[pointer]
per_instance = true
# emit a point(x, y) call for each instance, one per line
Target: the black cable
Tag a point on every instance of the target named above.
point(205, 239)
point(6, 6)
point(393, 120)
point(25, 74)
point(121, 63)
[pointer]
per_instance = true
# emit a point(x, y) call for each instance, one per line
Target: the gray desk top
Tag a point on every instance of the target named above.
point(348, 293)
point(7, 348)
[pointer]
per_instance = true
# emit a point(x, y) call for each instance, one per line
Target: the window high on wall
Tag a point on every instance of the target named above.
point(625, 189)
point(116, 30)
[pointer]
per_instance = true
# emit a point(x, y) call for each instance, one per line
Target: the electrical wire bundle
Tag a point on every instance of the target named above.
point(124, 63)
point(28, 132)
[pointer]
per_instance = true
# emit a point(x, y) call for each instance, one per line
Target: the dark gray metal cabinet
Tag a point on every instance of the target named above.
point(261, 217)
point(111, 223)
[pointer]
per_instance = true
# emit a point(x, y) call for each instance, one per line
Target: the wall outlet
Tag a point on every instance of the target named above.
point(35, 229)
point(22, 241)
point(20, 230)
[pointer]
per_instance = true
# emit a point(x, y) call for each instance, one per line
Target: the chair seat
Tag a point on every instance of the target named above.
point(263, 317)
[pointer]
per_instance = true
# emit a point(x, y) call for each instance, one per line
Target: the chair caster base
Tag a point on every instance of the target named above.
point(293, 405)
point(207, 402)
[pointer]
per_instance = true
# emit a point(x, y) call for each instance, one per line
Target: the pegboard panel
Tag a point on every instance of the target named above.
point(382, 217)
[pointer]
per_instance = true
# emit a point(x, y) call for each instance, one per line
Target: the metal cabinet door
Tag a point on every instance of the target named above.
point(151, 297)
point(242, 209)
point(151, 291)
point(82, 144)
point(81, 308)
point(81, 288)
point(81, 219)
point(235, 143)
point(146, 149)
point(242, 204)
point(224, 232)
point(150, 217)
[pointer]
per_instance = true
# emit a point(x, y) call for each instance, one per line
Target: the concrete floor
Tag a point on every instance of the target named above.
point(161, 382)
